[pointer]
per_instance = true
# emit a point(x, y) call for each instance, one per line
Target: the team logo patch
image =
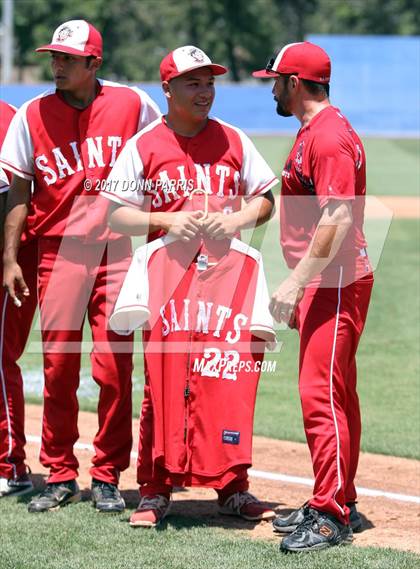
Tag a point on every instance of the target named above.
point(64, 33)
point(196, 54)
point(298, 157)
point(231, 437)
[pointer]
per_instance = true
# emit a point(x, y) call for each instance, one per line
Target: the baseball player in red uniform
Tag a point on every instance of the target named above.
point(164, 175)
point(15, 325)
point(326, 296)
point(66, 141)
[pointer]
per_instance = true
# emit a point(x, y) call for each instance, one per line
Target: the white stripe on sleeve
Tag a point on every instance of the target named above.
point(125, 183)
point(17, 149)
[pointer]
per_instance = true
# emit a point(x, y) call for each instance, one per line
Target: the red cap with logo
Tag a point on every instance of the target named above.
point(76, 37)
point(185, 59)
point(304, 59)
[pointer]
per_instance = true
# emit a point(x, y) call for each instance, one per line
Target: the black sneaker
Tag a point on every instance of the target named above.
point(106, 497)
point(356, 522)
point(54, 496)
point(15, 486)
point(318, 531)
point(288, 523)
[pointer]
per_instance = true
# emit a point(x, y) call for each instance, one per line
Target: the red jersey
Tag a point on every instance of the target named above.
point(7, 112)
point(204, 338)
point(327, 162)
point(158, 169)
point(69, 152)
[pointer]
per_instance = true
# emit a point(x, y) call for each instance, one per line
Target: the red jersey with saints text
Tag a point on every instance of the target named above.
point(327, 162)
point(69, 152)
point(158, 169)
point(204, 339)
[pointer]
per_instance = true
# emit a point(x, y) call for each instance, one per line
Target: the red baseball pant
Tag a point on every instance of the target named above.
point(77, 280)
point(15, 326)
point(330, 322)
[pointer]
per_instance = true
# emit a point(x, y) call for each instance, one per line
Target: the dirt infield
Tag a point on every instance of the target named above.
point(402, 207)
point(388, 523)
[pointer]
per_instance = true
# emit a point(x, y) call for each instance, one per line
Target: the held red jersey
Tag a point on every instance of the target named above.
point(158, 169)
point(327, 162)
point(7, 112)
point(204, 338)
point(69, 152)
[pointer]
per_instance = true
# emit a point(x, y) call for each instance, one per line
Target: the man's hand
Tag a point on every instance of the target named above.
point(14, 283)
point(285, 300)
point(220, 225)
point(184, 224)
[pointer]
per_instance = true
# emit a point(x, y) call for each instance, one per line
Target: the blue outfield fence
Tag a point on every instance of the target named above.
point(375, 82)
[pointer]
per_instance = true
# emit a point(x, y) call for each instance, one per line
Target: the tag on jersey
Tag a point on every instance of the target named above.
point(231, 437)
point(202, 262)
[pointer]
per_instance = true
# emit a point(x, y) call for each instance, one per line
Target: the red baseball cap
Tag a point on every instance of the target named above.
point(304, 59)
point(76, 37)
point(184, 59)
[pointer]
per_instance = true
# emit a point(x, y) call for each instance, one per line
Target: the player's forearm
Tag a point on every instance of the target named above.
point(16, 213)
point(3, 198)
point(326, 242)
point(256, 212)
point(131, 221)
point(13, 229)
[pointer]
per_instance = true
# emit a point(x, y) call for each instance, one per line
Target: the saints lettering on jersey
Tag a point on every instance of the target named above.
point(221, 181)
point(66, 160)
point(205, 318)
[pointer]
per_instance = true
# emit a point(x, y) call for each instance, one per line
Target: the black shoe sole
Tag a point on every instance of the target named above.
point(318, 547)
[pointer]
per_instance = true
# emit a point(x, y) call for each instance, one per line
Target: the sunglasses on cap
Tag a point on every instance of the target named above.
point(269, 68)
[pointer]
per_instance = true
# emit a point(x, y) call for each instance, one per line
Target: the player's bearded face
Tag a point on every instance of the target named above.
point(192, 94)
point(282, 96)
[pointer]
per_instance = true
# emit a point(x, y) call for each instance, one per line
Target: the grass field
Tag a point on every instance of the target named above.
point(79, 538)
point(393, 165)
